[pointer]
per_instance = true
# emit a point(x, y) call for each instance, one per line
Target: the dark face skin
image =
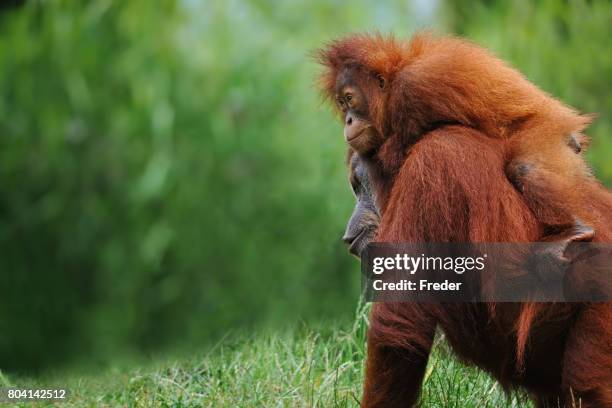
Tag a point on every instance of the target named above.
point(363, 224)
point(352, 90)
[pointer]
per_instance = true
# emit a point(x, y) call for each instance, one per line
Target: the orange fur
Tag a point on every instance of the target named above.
point(440, 183)
point(433, 81)
point(452, 188)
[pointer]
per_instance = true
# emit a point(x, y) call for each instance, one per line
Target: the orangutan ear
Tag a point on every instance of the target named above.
point(382, 82)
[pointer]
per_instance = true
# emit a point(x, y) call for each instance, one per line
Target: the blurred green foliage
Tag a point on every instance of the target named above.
point(169, 172)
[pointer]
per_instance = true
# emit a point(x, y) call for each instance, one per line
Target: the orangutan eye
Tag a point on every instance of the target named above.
point(348, 97)
point(381, 81)
point(355, 187)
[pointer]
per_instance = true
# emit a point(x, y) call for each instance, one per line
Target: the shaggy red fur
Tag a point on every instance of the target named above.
point(452, 188)
point(434, 81)
point(452, 119)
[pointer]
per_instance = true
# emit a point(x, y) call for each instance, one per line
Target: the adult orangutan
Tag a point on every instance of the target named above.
point(452, 188)
point(363, 224)
point(391, 93)
point(440, 124)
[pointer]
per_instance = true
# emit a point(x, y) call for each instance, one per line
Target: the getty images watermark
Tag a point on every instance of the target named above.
point(500, 272)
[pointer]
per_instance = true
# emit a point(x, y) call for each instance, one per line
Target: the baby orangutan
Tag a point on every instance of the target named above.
point(390, 93)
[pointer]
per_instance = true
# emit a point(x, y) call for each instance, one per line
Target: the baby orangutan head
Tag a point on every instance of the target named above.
point(355, 92)
point(357, 75)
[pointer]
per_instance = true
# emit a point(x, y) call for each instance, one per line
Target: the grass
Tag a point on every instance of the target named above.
point(302, 367)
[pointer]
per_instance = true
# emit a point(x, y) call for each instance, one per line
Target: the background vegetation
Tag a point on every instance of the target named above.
point(304, 366)
point(169, 173)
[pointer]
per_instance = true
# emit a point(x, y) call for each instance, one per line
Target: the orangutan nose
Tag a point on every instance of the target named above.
point(349, 237)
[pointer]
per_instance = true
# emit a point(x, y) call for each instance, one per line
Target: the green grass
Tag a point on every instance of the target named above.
point(303, 367)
